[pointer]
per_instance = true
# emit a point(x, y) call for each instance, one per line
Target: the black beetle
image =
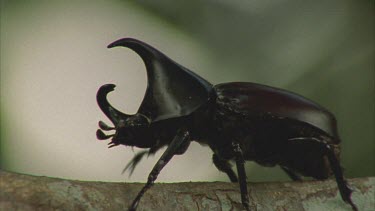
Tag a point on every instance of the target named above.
point(238, 121)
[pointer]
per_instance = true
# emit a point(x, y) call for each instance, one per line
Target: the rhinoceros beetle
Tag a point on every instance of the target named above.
point(239, 121)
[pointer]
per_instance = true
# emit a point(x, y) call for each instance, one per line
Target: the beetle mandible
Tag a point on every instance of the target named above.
point(239, 121)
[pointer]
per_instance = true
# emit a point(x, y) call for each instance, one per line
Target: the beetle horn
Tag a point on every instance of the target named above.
point(145, 51)
point(172, 90)
point(113, 114)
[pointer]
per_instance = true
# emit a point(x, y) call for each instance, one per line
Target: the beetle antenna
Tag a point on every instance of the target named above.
point(104, 126)
point(101, 136)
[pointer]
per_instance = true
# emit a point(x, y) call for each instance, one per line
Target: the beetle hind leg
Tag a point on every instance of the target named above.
point(224, 166)
point(292, 175)
point(344, 188)
point(334, 164)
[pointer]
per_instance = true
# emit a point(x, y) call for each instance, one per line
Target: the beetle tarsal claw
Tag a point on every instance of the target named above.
point(104, 126)
point(101, 136)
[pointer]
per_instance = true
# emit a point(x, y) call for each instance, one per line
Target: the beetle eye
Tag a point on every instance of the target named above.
point(141, 120)
point(121, 124)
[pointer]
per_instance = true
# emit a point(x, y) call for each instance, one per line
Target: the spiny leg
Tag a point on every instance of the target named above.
point(240, 163)
point(224, 166)
point(181, 137)
point(327, 150)
point(291, 174)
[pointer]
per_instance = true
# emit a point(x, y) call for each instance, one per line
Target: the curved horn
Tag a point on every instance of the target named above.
point(113, 114)
point(145, 51)
point(172, 90)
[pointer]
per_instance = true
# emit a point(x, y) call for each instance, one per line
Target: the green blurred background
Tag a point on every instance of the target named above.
point(54, 58)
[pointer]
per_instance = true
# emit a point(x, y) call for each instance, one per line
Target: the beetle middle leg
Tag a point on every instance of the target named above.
point(179, 141)
point(224, 166)
point(291, 174)
point(328, 151)
point(241, 174)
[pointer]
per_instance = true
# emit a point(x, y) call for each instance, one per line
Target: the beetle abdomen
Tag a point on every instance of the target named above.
point(253, 99)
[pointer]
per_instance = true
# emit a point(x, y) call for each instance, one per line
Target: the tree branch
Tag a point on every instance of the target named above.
point(25, 192)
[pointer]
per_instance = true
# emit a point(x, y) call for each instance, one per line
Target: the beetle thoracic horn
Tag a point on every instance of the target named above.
point(113, 114)
point(145, 51)
point(161, 102)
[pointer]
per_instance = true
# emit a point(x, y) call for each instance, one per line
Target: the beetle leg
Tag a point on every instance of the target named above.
point(224, 166)
point(343, 186)
point(345, 191)
point(183, 147)
point(241, 174)
point(291, 174)
point(179, 140)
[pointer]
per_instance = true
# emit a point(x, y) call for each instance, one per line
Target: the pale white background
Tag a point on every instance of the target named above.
point(54, 58)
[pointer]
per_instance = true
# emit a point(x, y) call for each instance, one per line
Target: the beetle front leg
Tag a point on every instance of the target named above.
point(179, 140)
point(240, 163)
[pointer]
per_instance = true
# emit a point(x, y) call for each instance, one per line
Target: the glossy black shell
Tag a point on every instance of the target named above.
point(239, 121)
point(256, 99)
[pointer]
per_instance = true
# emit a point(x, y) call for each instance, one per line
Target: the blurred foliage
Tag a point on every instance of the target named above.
point(323, 50)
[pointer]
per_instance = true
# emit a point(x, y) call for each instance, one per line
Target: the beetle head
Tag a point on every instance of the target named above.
point(130, 130)
point(172, 92)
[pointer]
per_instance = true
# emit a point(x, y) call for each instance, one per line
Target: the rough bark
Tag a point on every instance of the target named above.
point(25, 192)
